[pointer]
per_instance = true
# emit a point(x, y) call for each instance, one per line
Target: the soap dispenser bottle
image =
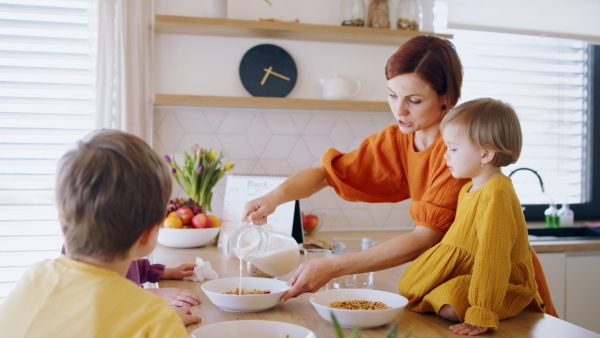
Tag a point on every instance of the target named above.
point(552, 219)
point(566, 215)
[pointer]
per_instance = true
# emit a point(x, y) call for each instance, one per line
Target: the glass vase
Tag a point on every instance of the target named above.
point(203, 198)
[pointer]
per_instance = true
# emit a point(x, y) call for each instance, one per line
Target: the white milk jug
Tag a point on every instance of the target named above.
point(272, 252)
point(339, 88)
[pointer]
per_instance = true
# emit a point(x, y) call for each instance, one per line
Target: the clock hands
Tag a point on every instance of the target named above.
point(276, 74)
point(269, 71)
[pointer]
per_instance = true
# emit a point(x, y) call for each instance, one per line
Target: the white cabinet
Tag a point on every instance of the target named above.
point(574, 282)
point(582, 293)
point(555, 270)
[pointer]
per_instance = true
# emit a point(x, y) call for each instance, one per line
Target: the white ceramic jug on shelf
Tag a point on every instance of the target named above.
point(339, 88)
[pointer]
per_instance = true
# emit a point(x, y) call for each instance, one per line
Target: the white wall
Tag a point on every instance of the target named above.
point(272, 142)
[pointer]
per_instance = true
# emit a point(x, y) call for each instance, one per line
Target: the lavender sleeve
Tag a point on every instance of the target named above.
point(146, 272)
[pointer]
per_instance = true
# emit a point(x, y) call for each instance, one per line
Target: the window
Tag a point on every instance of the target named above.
point(46, 93)
point(547, 81)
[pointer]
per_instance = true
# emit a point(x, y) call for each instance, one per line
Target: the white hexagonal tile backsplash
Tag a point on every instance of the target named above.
point(281, 143)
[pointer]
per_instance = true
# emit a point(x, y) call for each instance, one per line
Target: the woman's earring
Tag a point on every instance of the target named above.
point(482, 164)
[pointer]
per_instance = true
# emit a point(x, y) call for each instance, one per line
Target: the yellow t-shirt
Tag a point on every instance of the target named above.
point(67, 298)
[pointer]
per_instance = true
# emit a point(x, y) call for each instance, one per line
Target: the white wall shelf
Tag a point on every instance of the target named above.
point(170, 24)
point(269, 103)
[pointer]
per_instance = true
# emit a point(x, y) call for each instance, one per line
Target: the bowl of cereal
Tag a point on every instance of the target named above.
point(363, 308)
point(258, 294)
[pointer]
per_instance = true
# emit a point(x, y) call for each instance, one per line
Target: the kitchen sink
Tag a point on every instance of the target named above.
point(563, 234)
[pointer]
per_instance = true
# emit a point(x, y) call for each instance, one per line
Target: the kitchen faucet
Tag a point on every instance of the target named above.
point(536, 174)
point(533, 171)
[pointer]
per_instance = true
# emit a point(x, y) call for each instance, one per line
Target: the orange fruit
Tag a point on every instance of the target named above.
point(215, 222)
point(172, 213)
point(172, 222)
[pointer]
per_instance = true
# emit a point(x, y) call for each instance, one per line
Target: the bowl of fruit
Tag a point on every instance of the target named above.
point(187, 226)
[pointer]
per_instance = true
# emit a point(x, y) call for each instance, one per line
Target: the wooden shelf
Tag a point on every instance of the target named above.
point(268, 103)
point(171, 24)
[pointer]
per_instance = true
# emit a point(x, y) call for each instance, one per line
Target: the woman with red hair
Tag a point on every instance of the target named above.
point(403, 161)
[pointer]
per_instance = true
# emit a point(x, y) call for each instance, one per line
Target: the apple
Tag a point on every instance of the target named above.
point(185, 213)
point(310, 222)
point(201, 221)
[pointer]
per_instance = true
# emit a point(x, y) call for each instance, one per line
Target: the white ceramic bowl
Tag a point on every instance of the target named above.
point(252, 329)
point(358, 318)
point(186, 238)
point(215, 289)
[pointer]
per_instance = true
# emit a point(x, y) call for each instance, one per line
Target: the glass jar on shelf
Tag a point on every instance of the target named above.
point(379, 14)
point(353, 13)
point(410, 15)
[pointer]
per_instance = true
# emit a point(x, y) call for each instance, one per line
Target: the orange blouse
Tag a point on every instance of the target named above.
point(386, 168)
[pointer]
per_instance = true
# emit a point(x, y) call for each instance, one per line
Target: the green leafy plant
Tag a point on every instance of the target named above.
point(202, 169)
point(356, 331)
point(269, 2)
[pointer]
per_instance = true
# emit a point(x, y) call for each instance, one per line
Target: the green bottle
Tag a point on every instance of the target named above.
point(552, 218)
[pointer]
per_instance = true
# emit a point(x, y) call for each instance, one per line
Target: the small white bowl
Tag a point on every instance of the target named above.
point(215, 289)
point(252, 329)
point(358, 318)
point(186, 238)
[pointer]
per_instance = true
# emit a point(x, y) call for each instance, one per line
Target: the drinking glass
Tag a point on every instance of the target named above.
point(310, 254)
point(316, 253)
point(344, 246)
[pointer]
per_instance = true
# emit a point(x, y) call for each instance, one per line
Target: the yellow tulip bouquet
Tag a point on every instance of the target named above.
point(202, 169)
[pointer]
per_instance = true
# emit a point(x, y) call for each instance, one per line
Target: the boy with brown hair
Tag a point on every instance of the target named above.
point(111, 195)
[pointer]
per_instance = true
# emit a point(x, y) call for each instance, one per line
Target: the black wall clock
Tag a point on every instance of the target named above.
point(268, 70)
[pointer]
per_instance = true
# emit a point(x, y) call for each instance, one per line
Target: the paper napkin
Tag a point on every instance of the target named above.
point(202, 271)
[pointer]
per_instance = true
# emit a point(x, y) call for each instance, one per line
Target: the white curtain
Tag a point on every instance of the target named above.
point(123, 50)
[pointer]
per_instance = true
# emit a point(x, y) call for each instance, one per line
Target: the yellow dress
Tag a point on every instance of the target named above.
point(482, 267)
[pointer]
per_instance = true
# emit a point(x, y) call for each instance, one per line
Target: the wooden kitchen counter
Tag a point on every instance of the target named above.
point(539, 246)
point(299, 311)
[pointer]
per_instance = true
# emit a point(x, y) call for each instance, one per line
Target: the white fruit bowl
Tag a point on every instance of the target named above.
point(215, 289)
point(186, 238)
point(358, 318)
